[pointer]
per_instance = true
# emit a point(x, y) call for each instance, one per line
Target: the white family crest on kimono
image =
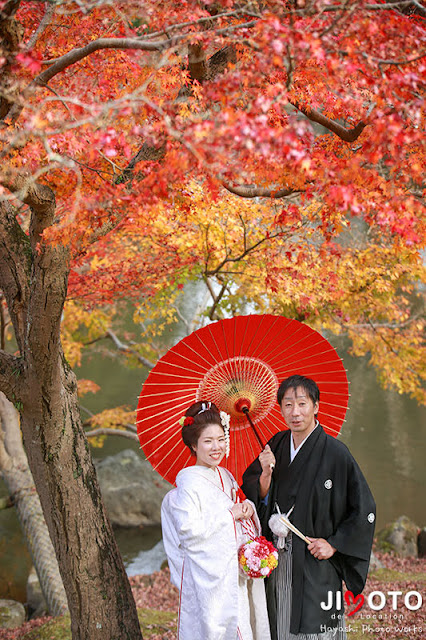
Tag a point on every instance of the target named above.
point(201, 539)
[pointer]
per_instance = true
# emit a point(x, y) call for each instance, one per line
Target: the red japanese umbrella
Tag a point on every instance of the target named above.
point(238, 364)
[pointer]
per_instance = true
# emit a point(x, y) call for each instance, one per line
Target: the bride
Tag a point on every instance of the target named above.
point(203, 527)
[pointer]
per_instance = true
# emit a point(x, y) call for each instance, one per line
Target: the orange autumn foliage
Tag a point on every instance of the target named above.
point(155, 150)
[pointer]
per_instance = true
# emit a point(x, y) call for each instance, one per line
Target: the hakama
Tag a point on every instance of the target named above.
point(279, 595)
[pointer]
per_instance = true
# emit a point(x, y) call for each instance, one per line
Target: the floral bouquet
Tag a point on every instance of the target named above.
point(257, 558)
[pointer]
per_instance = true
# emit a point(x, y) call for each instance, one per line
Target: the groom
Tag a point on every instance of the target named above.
point(305, 469)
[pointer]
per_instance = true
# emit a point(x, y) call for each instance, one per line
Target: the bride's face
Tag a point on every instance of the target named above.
point(210, 447)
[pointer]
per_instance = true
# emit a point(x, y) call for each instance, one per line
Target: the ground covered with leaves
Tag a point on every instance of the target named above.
point(157, 602)
point(394, 621)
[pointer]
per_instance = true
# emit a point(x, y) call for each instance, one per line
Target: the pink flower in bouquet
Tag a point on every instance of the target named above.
point(257, 558)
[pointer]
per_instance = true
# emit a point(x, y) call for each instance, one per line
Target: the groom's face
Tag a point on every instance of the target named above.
point(299, 411)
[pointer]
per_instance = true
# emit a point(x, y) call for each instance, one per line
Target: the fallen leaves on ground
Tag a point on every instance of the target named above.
point(155, 592)
point(394, 621)
point(19, 632)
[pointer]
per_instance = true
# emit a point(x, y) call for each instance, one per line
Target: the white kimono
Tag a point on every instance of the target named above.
point(201, 539)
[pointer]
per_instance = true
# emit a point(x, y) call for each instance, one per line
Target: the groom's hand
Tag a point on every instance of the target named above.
point(267, 461)
point(320, 548)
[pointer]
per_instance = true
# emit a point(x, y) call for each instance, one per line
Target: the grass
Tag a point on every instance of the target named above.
point(391, 575)
point(152, 623)
point(155, 622)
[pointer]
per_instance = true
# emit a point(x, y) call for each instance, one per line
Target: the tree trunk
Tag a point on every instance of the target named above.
point(16, 474)
point(44, 389)
point(99, 594)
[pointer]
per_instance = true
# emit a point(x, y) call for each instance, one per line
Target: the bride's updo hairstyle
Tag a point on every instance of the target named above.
point(195, 420)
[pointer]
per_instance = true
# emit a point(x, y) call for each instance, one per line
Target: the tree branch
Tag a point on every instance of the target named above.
point(131, 427)
point(399, 4)
point(37, 196)
point(37, 328)
point(220, 60)
point(9, 9)
point(217, 299)
point(112, 432)
point(70, 58)
point(384, 325)
point(376, 330)
point(11, 34)
point(401, 62)
point(197, 62)
point(15, 260)
point(209, 286)
point(244, 253)
point(126, 349)
point(44, 22)
point(214, 15)
point(147, 152)
point(183, 319)
point(76, 55)
point(348, 135)
point(12, 455)
point(200, 69)
point(251, 191)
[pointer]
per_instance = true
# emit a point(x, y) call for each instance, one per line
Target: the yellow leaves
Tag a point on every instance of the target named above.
point(398, 354)
point(118, 419)
point(306, 164)
point(86, 386)
point(223, 229)
point(184, 110)
point(200, 133)
point(76, 317)
point(72, 350)
point(155, 315)
point(80, 326)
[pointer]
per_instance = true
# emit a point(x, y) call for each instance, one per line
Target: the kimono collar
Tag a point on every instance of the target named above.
point(295, 450)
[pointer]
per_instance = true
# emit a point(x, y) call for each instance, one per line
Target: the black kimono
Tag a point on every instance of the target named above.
point(332, 501)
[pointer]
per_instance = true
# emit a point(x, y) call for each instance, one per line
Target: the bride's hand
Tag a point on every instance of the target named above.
point(242, 510)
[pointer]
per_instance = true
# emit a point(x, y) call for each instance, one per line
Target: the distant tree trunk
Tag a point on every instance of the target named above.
point(16, 474)
point(43, 388)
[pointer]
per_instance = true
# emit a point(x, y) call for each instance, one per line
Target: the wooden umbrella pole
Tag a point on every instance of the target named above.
point(245, 410)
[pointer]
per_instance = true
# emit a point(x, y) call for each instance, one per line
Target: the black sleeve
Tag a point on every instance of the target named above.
point(250, 484)
point(353, 537)
point(251, 475)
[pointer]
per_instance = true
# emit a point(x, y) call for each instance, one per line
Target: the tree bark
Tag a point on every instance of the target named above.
point(17, 477)
point(99, 595)
point(44, 389)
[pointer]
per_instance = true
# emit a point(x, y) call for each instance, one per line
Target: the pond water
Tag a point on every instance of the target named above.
point(385, 431)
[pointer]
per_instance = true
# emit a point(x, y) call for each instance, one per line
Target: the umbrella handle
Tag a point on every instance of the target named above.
point(245, 410)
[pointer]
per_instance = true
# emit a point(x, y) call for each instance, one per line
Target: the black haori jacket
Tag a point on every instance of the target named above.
point(332, 501)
